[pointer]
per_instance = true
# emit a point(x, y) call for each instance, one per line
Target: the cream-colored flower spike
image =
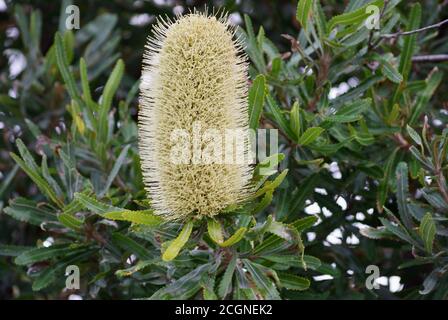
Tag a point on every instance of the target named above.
point(193, 72)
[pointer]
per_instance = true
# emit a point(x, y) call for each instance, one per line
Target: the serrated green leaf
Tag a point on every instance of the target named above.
point(256, 100)
point(409, 42)
point(303, 12)
point(279, 117)
point(70, 221)
point(427, 231)
point(354, 17)
point(145, 217)
point(63, 65)
point(293, 282)
point(131, 245)
point(310, 135)
point(27, 211)
point(45, 253)
point(41, 183)
point(224, 287)
point(106, 99)
point(94, 205)
point(384, 183)
point(403, 195)
point(7, 250)
point(115, 169)
point(294, 119)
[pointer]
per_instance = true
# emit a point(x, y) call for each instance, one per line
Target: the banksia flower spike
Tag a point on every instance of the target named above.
point(194, 78)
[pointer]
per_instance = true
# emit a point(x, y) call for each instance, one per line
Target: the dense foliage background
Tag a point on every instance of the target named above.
point(363, 132)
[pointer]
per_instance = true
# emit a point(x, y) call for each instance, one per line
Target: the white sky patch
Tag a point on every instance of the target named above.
point(12, 32)
point(360, 225)
point(335, 237)
point(352, 240)
point(370, 211)
point(132, 258)
point(3, 6)
point(311, 236)
point(382, 281)
point(342, 203)
point(353, 82)
point(48, 242)
point(312, 209)
point(335, 92)
point(177, 10)
point(323, 277)
point(163, 2)
point(360, 216)
point(141, 20)
point(321, 191)
point(74, 297)
point(437, 122)
point(17, 62)
point(327, 213)
point(394, 284)
point(235, 18)
point(334, 169)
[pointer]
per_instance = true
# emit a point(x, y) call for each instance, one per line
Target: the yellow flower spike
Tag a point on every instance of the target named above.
point(194, 72)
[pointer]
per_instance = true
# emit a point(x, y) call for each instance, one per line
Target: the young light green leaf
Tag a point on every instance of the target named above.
point(235, 238)
point(215, 230)
point(177, 244)
point(145, 217)
point(271, 185)
point(294, 119)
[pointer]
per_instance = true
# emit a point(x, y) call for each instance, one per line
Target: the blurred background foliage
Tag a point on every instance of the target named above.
point(362, 123)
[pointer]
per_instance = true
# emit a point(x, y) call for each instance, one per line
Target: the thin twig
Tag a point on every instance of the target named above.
point(406, 33)
point(430, 58)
